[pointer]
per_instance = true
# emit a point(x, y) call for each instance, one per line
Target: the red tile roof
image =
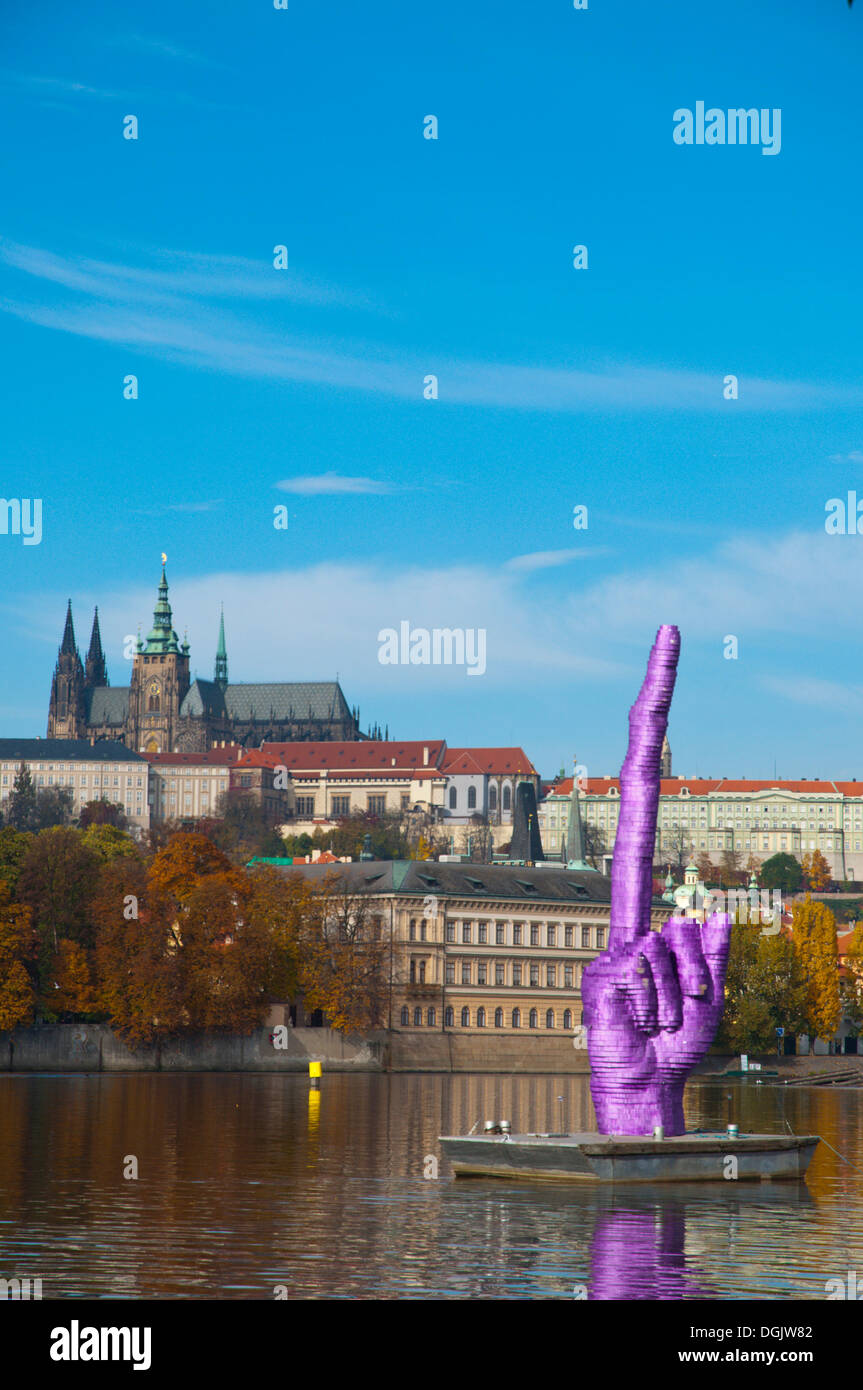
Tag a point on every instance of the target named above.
point(498, 761)
point(700, 786)
point(368, 753)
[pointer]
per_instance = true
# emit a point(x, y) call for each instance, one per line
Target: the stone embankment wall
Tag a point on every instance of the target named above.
point(75, 1047)
point(93, 1047)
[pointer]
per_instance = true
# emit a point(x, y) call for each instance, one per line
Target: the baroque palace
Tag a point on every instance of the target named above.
point(162, 710)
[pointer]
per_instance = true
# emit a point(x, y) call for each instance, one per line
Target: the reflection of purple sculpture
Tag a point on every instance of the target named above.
point(652, 1001)
point(638, 1252)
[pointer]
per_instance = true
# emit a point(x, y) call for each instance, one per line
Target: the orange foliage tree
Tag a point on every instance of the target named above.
point(138, 974)
point(70, 988)
point(17, 963)
point(814, 934)
point(344, 958)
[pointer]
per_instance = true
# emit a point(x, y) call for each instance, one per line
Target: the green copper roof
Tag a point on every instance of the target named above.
point(162, 637)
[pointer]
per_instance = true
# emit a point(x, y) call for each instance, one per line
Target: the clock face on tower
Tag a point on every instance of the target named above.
point(153, 687)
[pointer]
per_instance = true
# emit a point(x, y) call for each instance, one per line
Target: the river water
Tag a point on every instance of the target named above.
point(255, 1187)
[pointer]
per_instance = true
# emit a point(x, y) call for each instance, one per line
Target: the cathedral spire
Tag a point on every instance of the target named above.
point(68, 643)
point(95, 670)
point(221, 676)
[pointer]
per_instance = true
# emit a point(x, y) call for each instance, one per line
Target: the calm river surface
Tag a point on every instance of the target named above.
point(246, 1183)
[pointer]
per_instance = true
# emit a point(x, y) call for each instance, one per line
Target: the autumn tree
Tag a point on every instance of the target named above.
point(224, 959)
point(102, 812)
point(731, 867)
point(706, 869)
point(70, 989)
point(816, 871)
point(139, 979)
point(814, 933)
point(343, 966)
point(17, 964)
point(851, 982)
point(187, 858)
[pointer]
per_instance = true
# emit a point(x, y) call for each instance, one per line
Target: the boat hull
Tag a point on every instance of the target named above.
point(632, 1159)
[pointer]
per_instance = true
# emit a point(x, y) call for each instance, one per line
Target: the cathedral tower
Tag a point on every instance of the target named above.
point(160, 680)
point(66, 714)
point(221, 675)
point(95, 670)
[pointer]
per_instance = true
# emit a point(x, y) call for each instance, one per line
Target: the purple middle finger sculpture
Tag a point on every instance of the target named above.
point(652, 1001)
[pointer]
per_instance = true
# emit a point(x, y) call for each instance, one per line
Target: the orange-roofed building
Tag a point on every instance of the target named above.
point(754, 818)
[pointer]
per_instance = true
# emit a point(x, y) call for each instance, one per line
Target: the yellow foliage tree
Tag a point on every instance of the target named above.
point(816, 871)
point(814, 935)
point(71, 989)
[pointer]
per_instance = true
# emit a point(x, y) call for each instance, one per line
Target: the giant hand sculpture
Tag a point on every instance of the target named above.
point(652, 1001)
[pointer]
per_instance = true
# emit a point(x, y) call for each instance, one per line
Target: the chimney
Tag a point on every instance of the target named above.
point(425, 757)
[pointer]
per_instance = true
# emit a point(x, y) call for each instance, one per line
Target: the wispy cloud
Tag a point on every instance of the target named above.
point(332, 484)
point(42, 86)
point(550, 559)
point(855, 456)
point(174, 313)
point(161, 48)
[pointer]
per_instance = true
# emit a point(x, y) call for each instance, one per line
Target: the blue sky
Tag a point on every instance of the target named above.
point(408, 256)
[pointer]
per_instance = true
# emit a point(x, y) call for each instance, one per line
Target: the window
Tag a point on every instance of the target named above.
point(549, 1018)
point(449, 1017)
point(500, 934)
point(481, 972)
point(422, 978)
point(465, 1018)
point(305, 805)
point(377, 805)
point(483, 933)
point(413, 930)
point(550, 936)
point(534, 935)
point(450, 972)
point(567, 1018)
point(471, 798)
point(480, 1018)
point(516, 1018)
point(585, 936)
point(551, 976)
point(492, 798)
point(450, 931)
point(453, 798)
point(499, 970)
point(533, 1021)
point(413, 972)
point(516, 934)
point(430, 1018)
point(534, 974)
point(567, 936)
point(406, 1016)
point(341, 805)
point(245, 780)
point(507, 798)
point(498, 1018)
point(567, 977)
point(422, 930)
point(418, 1017)
point(465, 972)
point(600, 938)
point(465, 932)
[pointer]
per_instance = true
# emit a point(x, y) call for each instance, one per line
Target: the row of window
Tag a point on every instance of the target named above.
point(481, 1018)
point(419, 932)
point(506, 798)
point(65, 767)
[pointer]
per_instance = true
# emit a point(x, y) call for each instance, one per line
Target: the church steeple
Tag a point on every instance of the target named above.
point(66, 716)
point(162, 637)
point(67, 646)
point(573, 854)
point(95, 670)
point(221, 676)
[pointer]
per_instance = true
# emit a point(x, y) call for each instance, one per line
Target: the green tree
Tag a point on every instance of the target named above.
point(57, 880)
point(109, 842)
point(13, 850)
point(765, 989)
point(21, 811)
point(782, 871)
point(102, 812)
point(54, 806)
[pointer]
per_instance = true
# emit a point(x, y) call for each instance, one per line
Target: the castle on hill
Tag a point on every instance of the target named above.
point(162, 710)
